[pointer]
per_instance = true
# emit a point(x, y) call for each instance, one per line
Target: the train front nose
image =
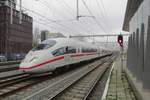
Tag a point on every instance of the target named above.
point(26, 67)
point(32, 65)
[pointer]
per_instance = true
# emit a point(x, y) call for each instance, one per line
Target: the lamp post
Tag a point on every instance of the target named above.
point(11, 12)
point(20, 14)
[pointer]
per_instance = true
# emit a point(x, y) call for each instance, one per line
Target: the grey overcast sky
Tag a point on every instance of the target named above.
point(60, 15)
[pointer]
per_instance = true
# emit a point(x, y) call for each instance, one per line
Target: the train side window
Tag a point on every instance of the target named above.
point(64, 50)
point(142, 28)
point(44, 45)
point(86, 50)
point(71, 49)
point(60, 51)
point(78, 50)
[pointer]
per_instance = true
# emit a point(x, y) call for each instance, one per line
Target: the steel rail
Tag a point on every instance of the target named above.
point(54, 89)
point(12, 79)
point(9, 63)
point(23, 83)
point(19, 84)
point(89, 88)
point(98, 78)
point(6, 68)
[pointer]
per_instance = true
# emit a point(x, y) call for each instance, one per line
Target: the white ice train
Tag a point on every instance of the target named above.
point(53, 54)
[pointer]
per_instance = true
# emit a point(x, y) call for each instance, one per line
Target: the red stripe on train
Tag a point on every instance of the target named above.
point(56, 59)
point(49, 61)
point(83, 54)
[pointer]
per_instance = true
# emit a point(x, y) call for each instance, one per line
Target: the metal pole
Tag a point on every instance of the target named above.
point(11, 12)
point(107, 42)
point(77, 9)
point(93, 39)
point(20, 14)
point(122, 67)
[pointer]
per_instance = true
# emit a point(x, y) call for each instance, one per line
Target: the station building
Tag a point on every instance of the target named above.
point(15, 38)
point(137, 22)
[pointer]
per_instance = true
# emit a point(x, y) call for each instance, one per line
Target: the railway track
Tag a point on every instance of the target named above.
point(12, 85)
point(6, 68)
point(92, 72)
point(18, 83)
point(81, 89)
point(9, 66)
point(9, 80)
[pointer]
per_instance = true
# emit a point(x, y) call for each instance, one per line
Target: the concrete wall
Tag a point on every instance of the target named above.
point(138, 64)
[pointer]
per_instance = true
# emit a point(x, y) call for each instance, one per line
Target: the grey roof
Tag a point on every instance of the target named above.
point(132, 7)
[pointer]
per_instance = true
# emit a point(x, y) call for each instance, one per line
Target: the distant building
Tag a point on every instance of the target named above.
point(137, 22)
point(44, 35)
point(14, 38)
point(55, 35)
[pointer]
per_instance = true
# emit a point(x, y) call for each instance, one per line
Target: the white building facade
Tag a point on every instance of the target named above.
point(137, 22)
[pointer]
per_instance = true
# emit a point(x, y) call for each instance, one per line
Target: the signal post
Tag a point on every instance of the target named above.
point(120, 41)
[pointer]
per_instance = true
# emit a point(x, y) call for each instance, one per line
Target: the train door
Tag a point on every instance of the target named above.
point(71, 51)
point(66, 56)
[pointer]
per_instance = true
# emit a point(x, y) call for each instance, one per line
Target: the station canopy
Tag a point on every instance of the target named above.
point(132, 7)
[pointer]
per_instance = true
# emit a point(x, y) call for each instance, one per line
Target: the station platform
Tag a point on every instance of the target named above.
point(118, 86)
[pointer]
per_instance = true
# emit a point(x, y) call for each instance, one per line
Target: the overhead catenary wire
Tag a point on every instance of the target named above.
point(71, 13)
point(85, 29)
point(68, 6)
point(103, 14)
point(67, 28)
point(99, 7)
point(49, 20)
point(69, 20)
point(80, 24)
point(47, 5)
point(46, 25)
point(90, 12)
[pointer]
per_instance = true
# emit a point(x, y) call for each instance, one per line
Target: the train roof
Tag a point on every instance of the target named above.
point(64, 41)
point(75, 42)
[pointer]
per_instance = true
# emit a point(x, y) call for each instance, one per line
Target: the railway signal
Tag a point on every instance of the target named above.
point(120, 40)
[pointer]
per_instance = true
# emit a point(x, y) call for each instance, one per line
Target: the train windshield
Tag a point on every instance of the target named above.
point(44, 45)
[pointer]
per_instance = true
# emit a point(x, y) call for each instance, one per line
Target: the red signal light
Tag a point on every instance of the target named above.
point(120, 40)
